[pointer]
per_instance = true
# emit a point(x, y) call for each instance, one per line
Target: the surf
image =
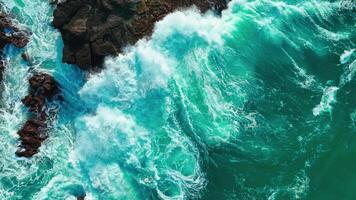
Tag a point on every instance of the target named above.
point(244, 105)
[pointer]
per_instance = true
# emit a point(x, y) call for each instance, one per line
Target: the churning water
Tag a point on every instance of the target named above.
point(259, 103)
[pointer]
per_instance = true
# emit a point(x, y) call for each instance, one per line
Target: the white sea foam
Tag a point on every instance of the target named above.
point(353, 119)
point(143, 67)
point(12, 115)
point(110, 143)
point(190, 23)
point(328, 98)
point(112, 140)
point(116, 84)
point(350, 68)
point(329, 95)
point(346, 56)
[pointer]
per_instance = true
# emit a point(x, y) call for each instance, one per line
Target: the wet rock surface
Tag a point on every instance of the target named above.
point(43, 90)
point(9, 34)
point(93, 29)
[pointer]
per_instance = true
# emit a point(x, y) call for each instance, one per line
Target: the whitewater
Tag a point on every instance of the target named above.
point(258, 103)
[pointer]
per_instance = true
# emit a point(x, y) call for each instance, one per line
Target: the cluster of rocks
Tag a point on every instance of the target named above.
point(43, 89)
point(9, 34)
point(93, 29)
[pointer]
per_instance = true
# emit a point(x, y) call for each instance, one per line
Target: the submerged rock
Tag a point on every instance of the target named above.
point(43, 89)
point(93, 29)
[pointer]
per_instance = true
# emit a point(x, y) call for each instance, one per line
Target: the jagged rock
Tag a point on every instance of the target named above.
point(9, 34)
point(31, 137)
point(43, 88)
point(34, 103)
point(93, 29)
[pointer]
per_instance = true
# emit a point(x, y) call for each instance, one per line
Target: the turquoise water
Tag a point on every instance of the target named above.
point(256, 104)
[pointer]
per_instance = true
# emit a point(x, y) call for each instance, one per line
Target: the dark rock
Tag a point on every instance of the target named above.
point(43, 88)
point(31, 137)
point(26, 58)
point(81, 198)
point(9, 34)
point(93, 29)
point(54, 2)
point(2, 68)
point(34, 103)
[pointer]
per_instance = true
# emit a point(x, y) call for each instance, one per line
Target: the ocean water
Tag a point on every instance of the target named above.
point(258, 103)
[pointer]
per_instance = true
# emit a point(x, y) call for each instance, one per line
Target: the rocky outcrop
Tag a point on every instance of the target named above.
point(9, 34)
point(93, 29)
point(43, 89)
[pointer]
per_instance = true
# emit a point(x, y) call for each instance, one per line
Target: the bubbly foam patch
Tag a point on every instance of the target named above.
point(346, 56)
point(328, 98)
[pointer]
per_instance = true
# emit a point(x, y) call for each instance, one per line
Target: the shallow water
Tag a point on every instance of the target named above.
point(256, 104)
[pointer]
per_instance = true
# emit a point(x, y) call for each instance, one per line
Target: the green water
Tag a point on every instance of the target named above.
point(259, 103)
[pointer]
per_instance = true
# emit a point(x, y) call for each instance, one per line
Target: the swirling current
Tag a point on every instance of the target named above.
point(258, 103)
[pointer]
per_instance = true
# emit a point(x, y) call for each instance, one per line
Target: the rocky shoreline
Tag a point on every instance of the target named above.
point(93, 29)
